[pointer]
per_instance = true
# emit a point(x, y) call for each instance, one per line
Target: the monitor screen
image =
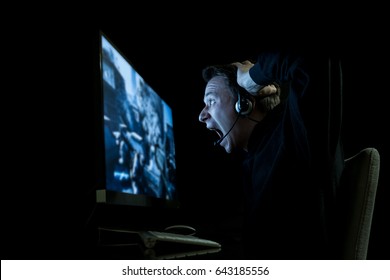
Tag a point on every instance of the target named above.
point(139, 147)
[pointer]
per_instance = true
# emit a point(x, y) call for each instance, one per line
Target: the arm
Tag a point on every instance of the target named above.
point(270, 69)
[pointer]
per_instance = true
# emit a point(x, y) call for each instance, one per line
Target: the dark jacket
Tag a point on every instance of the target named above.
point(287, 176)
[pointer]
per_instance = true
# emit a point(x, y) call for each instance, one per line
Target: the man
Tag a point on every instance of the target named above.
point(261, 109)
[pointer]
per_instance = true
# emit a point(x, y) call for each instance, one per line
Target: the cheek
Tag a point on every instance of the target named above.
point(220, 111)
point(225, 116)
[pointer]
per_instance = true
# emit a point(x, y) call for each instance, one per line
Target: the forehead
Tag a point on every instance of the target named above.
point(216, 85)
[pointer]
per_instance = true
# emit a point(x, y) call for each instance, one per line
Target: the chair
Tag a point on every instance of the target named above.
point(359, 183)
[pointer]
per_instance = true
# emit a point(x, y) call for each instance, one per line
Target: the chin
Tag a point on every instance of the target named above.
point(228, 148)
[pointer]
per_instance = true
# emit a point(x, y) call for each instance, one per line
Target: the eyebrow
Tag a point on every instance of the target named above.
point(207, 94)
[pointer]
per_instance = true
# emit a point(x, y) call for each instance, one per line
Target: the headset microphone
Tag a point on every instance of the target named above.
point(243, 107)
point(216, 143)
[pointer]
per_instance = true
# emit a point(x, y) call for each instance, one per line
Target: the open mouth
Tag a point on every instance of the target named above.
point(220, 134)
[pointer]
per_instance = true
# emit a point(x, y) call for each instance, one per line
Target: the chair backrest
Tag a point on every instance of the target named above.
point(359, 183)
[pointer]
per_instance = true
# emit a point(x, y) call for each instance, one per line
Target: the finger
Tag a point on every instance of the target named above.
point(268, 90)
point(247, 62)
point(237, 64)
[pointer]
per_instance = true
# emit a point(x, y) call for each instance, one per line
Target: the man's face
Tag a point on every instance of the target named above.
point(219, 114)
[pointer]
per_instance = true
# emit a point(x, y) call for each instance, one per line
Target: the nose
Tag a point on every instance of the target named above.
point(203, 116)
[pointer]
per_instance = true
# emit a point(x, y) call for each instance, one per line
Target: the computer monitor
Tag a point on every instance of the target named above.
point(139, 166)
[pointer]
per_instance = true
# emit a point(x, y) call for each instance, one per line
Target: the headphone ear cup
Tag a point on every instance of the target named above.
point(243, 106)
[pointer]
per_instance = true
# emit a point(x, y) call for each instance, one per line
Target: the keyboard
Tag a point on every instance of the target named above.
point(150, 253)
point(150, 238)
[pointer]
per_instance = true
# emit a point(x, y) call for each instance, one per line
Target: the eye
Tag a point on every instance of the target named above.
point(210, 102)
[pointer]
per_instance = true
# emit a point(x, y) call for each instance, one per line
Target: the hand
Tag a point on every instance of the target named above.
point(244, 79)
point(268, 90)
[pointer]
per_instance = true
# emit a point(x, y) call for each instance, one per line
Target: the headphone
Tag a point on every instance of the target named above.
point(243, 105)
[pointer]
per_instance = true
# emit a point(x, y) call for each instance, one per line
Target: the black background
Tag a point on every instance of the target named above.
point(49, 106)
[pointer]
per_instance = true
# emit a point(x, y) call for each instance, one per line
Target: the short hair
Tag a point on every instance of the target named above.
point(229, 72)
